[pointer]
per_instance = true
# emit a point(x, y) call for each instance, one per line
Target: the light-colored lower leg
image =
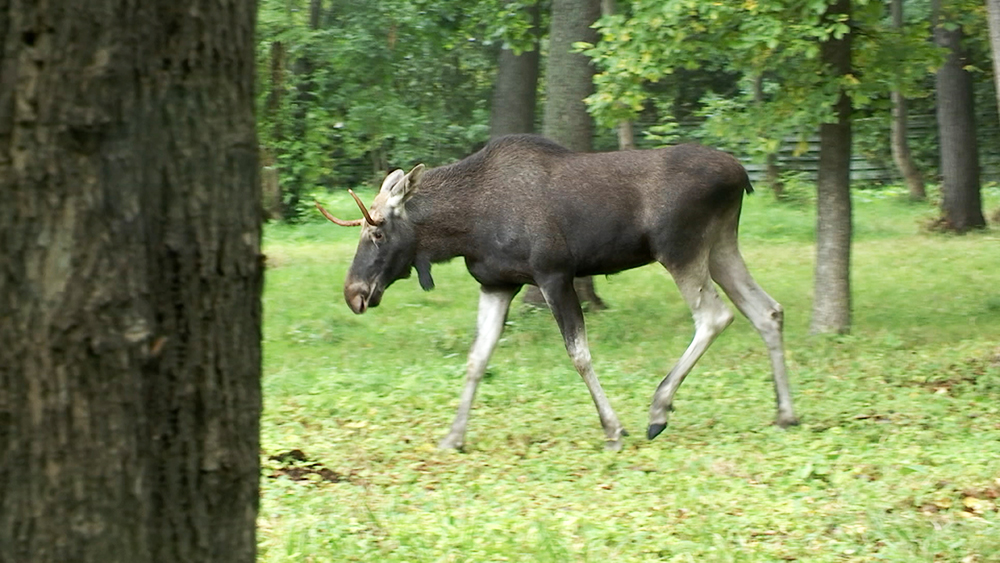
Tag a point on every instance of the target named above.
point(580, 354)
point(711, 317)
point(493, 306)
point(566, 309)
point(766, 315)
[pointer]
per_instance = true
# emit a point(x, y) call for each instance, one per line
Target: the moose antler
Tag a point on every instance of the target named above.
point(364, 210)
point(355, 222)
point(341, 222)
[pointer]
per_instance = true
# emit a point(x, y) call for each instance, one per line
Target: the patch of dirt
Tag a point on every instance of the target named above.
point(295, 465)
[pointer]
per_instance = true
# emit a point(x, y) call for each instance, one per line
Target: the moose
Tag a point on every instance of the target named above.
point(525, 210)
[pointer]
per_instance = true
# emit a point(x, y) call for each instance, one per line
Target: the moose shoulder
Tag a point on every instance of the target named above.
point(525, 210)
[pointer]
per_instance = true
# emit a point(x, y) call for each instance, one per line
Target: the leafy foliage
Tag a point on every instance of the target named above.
point(372, 81)
point(773, 46)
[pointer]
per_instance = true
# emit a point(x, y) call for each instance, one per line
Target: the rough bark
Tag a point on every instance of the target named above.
point(899, 144)
point(130, 282)
point(832, 300)
point(515, 91)
point(569, 75)
point(993, 11)
point(569, 79)
point(961, 202)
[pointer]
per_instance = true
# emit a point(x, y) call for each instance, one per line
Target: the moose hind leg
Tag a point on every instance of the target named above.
point(766, 315)
point(711, 317)
point(565, 306)
point(493, 306)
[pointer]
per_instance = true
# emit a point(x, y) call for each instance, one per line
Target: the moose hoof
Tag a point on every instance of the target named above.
point(449, 443)
point(787, 421)
point(654, 430)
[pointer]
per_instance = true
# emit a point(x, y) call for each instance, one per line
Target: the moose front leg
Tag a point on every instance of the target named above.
point(493, 306)
point(562, 300)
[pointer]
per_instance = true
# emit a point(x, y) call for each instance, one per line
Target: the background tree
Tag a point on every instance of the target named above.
point(306, 97)
point(832, 297)
point(961, 204)
point(993, 16)
point(624, 128)
point(568, 82)
point(900, 126)
point(130, 288)
point(512, 107)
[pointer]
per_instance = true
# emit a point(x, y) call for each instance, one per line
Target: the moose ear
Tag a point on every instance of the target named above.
point(404, 187)
point(391, 180)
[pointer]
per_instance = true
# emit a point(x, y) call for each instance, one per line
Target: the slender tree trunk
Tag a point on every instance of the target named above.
point(993, 9)
point(772, 175)
point(961, 203)
point(832, 301)
point(515, 92)
point(305, 67)
point(569, 80)
point(900, 146)
point(772, 170)
point(130, 282)
point(625, 130)
point(270, 177)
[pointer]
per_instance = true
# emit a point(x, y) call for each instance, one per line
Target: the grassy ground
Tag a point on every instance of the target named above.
point(897, 458)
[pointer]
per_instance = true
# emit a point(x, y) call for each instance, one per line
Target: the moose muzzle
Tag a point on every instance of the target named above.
point(360, 296)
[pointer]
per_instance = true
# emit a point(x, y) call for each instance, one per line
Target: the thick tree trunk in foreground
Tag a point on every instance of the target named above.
point(961, 203)
point(130, 282)
point(900, 146)
point(515, 91)
point(569, 80)
point(832, 300)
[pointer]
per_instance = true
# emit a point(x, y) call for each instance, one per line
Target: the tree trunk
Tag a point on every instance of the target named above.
point(900, 146)
point(515, 91)
point(993, 9)
point(270, 176)
point(305, 67)
point(569, 80)
point(832, 300)
point(772, 175)
point(961, 203)
point(772, 170)
point(569, 75)
point(130, 283)
point(625, 130)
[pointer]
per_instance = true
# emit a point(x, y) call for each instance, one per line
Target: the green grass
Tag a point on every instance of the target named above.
point(897, 458)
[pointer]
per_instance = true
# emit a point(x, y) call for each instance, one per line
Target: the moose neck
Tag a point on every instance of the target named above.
point(440, 214)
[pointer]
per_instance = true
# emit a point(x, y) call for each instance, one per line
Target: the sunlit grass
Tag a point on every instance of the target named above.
point(896, 458)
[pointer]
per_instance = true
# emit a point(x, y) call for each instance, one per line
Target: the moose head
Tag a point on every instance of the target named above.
point(387, 249)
